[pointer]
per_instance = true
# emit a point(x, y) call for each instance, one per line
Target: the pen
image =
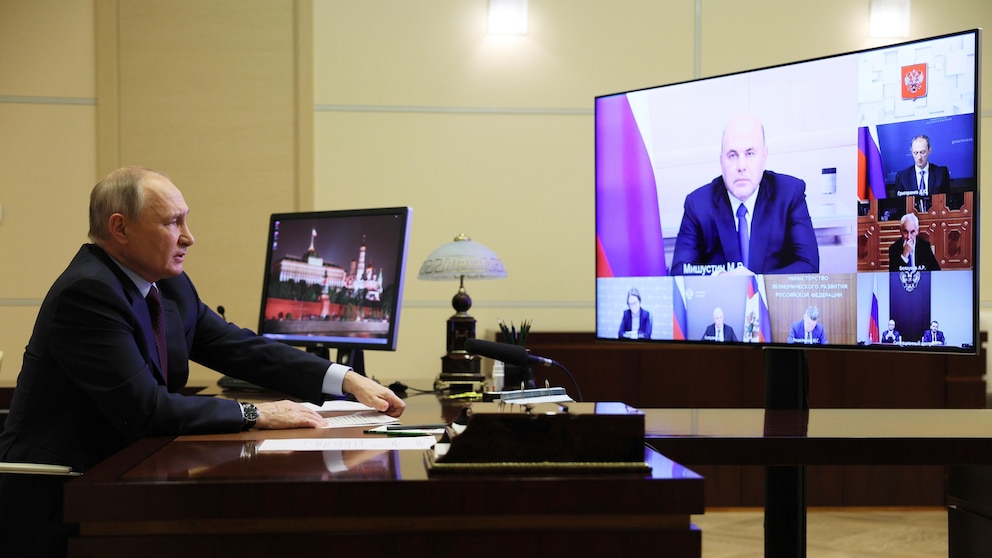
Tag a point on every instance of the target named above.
point(415, 426)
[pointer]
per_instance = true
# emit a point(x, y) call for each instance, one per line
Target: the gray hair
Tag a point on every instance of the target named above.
point(909, 217)
point(118, 192)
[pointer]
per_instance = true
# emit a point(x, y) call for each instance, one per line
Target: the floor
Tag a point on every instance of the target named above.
point(832, 533)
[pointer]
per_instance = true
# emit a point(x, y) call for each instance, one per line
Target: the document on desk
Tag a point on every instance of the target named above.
point(361, 418)
point(339, 405)
point(366, 443)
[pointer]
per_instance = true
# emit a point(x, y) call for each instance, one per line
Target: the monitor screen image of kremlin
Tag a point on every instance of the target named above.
point(826, 203)
point(334, 280)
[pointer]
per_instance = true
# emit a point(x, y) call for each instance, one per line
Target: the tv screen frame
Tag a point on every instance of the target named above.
point(328, 254)
point(843, 125)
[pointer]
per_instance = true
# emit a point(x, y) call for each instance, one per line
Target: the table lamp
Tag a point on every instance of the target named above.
point(459, 259)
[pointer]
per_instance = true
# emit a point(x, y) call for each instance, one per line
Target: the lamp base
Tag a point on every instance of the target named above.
point(461, 371)
point(458, 368)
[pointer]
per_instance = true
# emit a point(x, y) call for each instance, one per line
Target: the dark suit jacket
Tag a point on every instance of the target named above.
point(91, 384)
point(782, 238)
point(728, 333)
point(929, 337)
point(938, 180)
point(644, 324)
point(884, 336)
point(797, 334)
point(923, 255)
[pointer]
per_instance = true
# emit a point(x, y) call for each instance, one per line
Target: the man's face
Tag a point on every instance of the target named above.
point(808, 323)
point(743, 157)
point(909, 230)
point(718, 318)
point(157, 240)
point(921, 152)
point(892, 325)
point(933, 327)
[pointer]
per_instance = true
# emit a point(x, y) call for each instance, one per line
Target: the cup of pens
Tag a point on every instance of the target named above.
point(515, 375)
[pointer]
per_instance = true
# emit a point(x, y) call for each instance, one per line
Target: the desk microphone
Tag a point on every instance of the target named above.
point(220, 310)
point(514, 355)
point(510, 354)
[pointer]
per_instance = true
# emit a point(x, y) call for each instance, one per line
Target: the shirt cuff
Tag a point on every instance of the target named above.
point(334, 378)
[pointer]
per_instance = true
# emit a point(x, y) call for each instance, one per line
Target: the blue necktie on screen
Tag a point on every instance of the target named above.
point(742, 237)
point(155, 312)
point(923, 184)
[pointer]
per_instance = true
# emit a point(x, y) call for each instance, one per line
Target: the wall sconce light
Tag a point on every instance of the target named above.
point(453, 261)
point(507, 17)
point(888, 18)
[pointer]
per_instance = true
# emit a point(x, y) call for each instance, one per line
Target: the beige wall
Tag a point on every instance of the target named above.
point(256, 106)
point(47, 154)
point(492, 136)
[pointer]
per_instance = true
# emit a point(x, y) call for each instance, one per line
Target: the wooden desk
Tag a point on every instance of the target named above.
point(787, 440)
point(198, 495)
point(822, 436)
point(665, 375)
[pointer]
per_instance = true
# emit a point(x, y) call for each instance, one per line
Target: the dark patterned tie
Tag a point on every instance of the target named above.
point(158, 327)
point(742, 236)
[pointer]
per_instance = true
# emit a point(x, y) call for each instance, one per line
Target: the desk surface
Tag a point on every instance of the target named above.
point(164, 492)
point(822, 436)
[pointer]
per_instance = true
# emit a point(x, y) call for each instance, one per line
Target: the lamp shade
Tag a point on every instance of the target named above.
point(462, 258)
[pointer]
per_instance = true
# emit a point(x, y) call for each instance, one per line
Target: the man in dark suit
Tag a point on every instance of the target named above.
point(636, 322)
point(891, 335)
point(923, 178)
point(748, 220)
point(719, 331)
point(911, 252)
point(807, 330)
point(933, 336)
point(99, 373)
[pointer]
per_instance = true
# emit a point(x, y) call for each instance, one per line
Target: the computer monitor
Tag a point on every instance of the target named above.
point(334, 280)
point(836, 241)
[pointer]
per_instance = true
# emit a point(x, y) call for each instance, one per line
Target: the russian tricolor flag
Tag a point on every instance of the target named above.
point(757, 324)
point(679, 317)
point(871, 179)
point(628, 223)
point(873, 318)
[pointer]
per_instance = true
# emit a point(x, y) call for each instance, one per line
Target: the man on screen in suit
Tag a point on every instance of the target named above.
point(100, 371)
point(911, 252)
point(807, 331)
point(923, 178)
point(933, 336)
point(748, 220)
point(719, 331)
point(891, 335)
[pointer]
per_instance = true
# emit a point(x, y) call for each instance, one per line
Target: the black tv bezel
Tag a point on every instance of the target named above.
point(963, 349)
point(322, 346)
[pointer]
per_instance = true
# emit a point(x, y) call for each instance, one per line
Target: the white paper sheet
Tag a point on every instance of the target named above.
point(366, 443)
point(363, 418)
point(339, 405)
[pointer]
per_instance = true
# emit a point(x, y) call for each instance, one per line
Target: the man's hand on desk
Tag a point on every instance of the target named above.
point(287, 414)
point(373, 394)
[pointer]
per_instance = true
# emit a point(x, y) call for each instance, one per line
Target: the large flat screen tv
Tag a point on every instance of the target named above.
point(334, 280)
point(784, 205)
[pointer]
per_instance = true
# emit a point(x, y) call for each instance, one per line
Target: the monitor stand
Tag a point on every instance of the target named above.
point(786, 389)
point(354, 358)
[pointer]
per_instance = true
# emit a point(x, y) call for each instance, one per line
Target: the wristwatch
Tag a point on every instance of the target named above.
point(251, 415)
